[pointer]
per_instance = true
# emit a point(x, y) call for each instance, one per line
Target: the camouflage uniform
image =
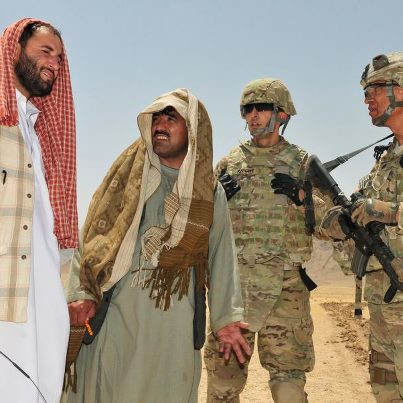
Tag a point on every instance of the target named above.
point(385, 183)
point(271, 244)
point(383, 196)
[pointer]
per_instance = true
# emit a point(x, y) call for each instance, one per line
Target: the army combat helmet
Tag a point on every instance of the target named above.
point(268, 91)
point(385, 71)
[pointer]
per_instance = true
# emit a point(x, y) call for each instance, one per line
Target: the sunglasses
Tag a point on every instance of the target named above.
point(374, 89)
point(245, 109)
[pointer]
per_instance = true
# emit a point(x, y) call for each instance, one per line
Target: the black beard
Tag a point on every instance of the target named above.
point(27, 73)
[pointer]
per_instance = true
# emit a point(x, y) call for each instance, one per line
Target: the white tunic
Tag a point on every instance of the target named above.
point(39, 345)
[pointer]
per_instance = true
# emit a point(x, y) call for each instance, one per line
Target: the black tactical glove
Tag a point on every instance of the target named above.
point(336, 224)
point(346, 224)
point(229, 184)
point(287, 185)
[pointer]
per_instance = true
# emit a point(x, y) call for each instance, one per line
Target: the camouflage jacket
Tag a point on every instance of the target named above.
point(385, 182)
point(265, 224)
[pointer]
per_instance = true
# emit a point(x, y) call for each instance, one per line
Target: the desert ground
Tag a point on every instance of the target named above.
point(341, 342)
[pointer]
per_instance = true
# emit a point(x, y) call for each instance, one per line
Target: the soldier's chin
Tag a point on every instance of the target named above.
point(260, 132)
point(379, 121)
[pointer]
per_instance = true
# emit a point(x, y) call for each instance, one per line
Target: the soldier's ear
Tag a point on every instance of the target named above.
point(282, 115)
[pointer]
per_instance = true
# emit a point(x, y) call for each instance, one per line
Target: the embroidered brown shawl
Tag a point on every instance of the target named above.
point(115, 210)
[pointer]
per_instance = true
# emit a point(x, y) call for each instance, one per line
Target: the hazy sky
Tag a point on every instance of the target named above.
point(123, 54)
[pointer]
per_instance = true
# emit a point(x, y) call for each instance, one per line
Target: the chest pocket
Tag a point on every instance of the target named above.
point(256, 191)
point(257, 212)
point(384, 184)
point(387, 185)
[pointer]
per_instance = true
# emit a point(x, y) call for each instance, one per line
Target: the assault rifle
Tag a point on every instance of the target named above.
point(367, 239)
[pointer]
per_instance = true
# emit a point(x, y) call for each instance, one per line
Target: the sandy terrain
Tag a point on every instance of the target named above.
point(340, 374)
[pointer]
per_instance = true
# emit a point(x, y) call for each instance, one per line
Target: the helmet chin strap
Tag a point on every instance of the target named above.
point(285, 121)
point(264, 131)
point(381, 120)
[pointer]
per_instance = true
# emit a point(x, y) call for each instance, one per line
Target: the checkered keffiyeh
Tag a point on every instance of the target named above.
point(56, 130)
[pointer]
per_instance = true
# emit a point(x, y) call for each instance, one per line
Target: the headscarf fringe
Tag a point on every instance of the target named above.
point(166, 282)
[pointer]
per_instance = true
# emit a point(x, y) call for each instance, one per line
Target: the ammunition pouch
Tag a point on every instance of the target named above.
point(378, 375)
point(382, 376)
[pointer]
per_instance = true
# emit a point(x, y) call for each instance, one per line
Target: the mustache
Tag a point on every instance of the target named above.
point(48, 70)
point(163, 132)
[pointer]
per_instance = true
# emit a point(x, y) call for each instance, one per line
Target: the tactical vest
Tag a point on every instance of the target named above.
point(385, 182)
point(265, 224)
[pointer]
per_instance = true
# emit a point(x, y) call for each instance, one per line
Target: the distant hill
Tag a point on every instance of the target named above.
point(322, 267)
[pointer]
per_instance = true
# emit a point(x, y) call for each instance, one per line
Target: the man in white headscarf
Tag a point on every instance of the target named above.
point(158, 227)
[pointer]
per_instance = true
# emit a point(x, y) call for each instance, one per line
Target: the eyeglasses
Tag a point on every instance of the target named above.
point(374, 89)
point(245, 109)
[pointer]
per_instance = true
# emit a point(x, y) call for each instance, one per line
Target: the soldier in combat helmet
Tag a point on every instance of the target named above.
point(268, 221)
point(382, 81)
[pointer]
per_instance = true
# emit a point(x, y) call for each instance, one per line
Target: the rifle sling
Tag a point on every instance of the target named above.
point(330, 165)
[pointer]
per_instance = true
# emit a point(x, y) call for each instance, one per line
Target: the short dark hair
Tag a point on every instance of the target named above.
point(30, 29)
point(166, 111)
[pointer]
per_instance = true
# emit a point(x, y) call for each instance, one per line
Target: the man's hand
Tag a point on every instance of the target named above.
point(336, 224)
point(229, 184)
point(289, 186)
point(80, 311)
point(367, 210)
point(230, 338)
